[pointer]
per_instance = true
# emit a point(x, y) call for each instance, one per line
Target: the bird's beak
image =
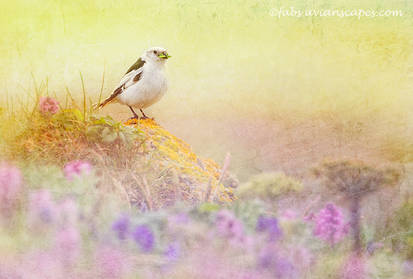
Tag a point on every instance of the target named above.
point(164, 55)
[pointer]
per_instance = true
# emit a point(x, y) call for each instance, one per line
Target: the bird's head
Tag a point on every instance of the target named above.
point(157, 54)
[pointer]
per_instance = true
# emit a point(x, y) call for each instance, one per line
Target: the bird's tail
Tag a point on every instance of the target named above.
point(102, 104)
point(109, 99)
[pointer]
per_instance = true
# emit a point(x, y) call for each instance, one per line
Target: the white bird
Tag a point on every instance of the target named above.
point(144, 83)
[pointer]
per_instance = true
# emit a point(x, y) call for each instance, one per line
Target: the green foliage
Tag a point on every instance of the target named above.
point(269, 186)
point(248, 211)
point(105, 129)
point(400, 229)
point(386, 266)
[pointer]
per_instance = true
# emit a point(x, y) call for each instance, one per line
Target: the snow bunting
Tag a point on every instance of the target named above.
point(144, 83)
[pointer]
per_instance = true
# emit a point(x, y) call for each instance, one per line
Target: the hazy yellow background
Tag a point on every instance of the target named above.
point(276, 93)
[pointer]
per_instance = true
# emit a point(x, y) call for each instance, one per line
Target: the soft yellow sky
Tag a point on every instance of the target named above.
point(231, 60)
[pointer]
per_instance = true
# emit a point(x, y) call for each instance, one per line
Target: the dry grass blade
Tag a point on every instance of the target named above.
point(224, 169)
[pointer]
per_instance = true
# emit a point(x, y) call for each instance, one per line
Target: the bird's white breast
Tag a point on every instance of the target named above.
point(148, 90)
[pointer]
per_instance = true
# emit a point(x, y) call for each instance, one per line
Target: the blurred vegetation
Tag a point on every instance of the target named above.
point(270, 186)
point(231, 61)
point(399, 230)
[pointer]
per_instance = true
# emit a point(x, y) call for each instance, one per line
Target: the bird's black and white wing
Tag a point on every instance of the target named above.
point(132, 76)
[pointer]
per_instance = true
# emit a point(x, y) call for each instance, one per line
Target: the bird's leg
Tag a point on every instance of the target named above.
point(135, 116)
point(144, 116)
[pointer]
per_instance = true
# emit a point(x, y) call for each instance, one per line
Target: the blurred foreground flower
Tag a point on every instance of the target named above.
point(354, 268)
point(42, 207)
point(144, 237)
point(48, 105)
point(10, 186)
point(111, 263)
point(229, 226)
point(278, 265)
point(330, 224)
point(68, 245)
point(77, 168)
point(269, 225)
point(121, 227)
point(68, 212)
point(172, 253)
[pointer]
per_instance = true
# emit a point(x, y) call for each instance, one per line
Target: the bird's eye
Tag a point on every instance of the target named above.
point(155, 52)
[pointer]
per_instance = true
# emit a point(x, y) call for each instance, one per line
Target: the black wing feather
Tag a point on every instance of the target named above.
point(139, 63)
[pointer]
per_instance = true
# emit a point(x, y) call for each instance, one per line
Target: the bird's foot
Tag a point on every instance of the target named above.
point(133, 119)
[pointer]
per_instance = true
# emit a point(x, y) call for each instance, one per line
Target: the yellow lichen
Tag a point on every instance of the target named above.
point(177, 154)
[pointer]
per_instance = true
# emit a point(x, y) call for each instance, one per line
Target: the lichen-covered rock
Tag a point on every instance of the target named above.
point(198, 179)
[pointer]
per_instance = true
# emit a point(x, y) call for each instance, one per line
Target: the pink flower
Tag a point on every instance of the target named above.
point(48, 105)
point(289, 214)
point(77, 168)
point(10, 185)
point(111, 263)
point(68, 244)
point(354, 268)
point(330, 225)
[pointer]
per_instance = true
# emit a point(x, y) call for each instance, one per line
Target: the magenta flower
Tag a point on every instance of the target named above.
point(10, 185)
point(77, 168)
point(290, 214)
point(354, 268)
point(111, 263)
point(48, 105)
point(330, 225)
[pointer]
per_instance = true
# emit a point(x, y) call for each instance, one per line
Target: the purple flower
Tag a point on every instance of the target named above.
point(121, 227)
point(42, 207)
point(271, 260)
point(10, 185)
point(372, 247)
point(77, 168)
point(330, 225)
point(172, 251)
point(48, 105)
point(269, 225)
point(144, 237)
